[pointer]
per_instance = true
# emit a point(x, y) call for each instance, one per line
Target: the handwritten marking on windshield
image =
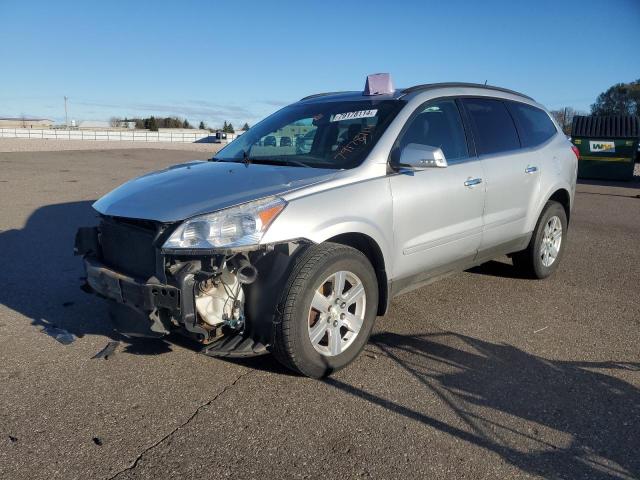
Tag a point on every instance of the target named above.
point(359, 139)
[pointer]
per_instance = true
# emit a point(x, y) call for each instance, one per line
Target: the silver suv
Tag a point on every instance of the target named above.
point(294, 248)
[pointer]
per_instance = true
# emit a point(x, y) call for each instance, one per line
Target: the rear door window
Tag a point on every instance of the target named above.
point(492, 125)
point(534, 125)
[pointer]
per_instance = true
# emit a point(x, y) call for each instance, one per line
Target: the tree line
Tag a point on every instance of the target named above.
point(153, 123)
point(619, 99)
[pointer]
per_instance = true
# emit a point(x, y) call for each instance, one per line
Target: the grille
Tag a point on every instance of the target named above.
point(127, 246)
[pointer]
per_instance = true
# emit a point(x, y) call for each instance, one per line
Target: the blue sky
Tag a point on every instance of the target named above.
point(239, 61)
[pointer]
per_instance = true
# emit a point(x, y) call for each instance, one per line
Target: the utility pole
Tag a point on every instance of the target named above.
point(66, 117)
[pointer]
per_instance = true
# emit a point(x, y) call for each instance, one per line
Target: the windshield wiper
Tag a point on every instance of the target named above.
point(298, 163)
point(282, 161)
point(247, 160)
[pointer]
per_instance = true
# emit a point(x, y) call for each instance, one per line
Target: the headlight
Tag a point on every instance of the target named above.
point(233, 227)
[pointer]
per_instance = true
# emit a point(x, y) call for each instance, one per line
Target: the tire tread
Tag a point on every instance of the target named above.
point(304, 267)
point(524, 261)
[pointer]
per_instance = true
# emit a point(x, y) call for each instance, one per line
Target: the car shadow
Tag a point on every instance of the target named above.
point(265, 363)
point(497, 268)
point(41, 278)
point(633, 183)
point(556, 419)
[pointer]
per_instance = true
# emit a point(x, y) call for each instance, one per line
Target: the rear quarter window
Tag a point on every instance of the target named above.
point(492, 125)
point(534, 125)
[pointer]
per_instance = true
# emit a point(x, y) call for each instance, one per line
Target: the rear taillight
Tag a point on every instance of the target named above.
point(576, 151)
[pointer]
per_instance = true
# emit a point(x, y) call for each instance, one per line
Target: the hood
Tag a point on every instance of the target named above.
point(196, 188)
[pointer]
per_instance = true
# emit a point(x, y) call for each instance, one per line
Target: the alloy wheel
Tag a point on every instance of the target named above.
point(551, 240)
point(337, 313)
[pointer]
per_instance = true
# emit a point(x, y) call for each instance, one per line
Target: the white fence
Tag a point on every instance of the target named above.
point(107, 135)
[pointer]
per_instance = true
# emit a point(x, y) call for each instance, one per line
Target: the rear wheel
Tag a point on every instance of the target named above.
point(541, 258)
point(327, 310)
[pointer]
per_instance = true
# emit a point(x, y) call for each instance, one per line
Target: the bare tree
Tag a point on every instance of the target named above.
point(115, 122)
point(564, 117)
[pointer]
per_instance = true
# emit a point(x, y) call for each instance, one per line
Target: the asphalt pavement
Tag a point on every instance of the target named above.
point(481, 375)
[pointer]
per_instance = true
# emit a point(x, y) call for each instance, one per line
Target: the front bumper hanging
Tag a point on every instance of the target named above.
point(138, 308)
point(154, 304)
point(126, 290)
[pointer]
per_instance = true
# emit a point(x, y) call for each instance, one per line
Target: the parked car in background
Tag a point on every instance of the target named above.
point(296, 252)
point(304, 142)
point(285, 141)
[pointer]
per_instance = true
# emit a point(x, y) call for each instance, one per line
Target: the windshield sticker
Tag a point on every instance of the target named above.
point(360, 139)
point(338, 117)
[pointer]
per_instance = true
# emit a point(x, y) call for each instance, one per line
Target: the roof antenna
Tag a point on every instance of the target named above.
point(485, 82)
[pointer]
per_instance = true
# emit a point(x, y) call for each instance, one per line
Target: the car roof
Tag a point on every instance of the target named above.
point(409, 92)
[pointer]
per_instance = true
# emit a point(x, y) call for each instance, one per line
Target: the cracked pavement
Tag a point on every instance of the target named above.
point(481, 375)
point(134, 464)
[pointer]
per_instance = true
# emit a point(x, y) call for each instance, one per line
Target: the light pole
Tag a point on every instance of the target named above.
point(66, 117)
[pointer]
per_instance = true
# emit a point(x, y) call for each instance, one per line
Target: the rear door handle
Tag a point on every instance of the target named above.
point(531, 169)
point(471, 182)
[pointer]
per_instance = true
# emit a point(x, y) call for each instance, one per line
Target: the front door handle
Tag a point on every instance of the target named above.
point(531, 169)
point(472, 182)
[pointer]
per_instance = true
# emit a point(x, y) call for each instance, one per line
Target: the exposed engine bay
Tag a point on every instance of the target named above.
point(218, 299)
point(219, 293)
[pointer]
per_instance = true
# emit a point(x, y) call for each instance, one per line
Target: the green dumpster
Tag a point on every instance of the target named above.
point(607, 146)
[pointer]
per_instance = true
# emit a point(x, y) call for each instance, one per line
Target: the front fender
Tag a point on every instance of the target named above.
point(363, 207)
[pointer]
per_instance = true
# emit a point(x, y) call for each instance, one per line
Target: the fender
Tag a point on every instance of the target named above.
point(544, 198)
point(367, 209)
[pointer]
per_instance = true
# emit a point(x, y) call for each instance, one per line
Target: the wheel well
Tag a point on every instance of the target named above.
point(371, 250)
point(562, 197)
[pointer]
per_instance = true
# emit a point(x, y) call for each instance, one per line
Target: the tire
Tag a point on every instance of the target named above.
point(297, 319)
point(531, 262)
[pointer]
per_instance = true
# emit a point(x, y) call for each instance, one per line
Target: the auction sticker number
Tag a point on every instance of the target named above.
point(338, 117)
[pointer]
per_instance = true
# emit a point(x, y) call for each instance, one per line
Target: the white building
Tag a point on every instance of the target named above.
point(25, 122)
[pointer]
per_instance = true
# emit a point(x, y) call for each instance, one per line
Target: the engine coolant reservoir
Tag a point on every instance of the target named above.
point(217, 303)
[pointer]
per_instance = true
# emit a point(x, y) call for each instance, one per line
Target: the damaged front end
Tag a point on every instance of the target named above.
point(224, 298)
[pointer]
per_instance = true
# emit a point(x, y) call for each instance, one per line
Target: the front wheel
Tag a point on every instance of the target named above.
point(327, 310)
point(540, 259)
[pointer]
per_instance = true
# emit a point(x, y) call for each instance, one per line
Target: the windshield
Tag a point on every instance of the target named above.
point(321, 135)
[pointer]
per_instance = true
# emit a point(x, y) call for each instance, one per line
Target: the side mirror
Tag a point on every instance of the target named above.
point(419, 157)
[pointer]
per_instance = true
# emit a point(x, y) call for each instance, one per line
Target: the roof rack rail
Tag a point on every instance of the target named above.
point(429, 86)
point(315, 95)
